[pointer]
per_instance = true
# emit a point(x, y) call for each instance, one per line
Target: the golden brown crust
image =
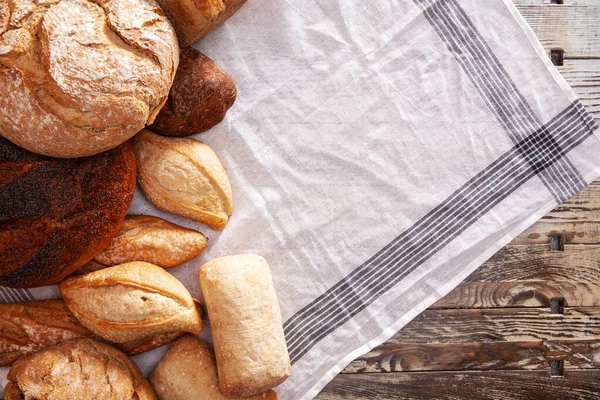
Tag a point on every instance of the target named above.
point(142, 345)
point(183, 176)
point(246, 324)
point(153, 240)
point(28, 327)
point(199, 98)
point(131, 301)
point(79, 369)
point(188, 371)
point(56, 214)
point(32, 326)
point(192, 19)
point(82, 76)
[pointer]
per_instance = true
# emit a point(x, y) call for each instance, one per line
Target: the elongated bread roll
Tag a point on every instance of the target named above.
point(188, 371)
point(131, 301)
point(246, 324)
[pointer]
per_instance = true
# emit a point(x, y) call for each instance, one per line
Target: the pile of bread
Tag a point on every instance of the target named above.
point(94, 96)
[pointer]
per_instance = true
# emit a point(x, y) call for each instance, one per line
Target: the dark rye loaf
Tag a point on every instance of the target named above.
point(57, 214)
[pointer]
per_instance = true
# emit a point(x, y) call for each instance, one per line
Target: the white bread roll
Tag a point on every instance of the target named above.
point(246, 324)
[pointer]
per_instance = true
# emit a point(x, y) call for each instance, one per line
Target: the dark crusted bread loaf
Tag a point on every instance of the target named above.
point(58, 214)
point(199, 98)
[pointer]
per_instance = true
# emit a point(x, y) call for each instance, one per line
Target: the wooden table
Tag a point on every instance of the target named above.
point(526, 325)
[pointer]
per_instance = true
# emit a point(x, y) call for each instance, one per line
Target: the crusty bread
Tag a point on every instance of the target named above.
point(32, 326)
point(246, 324)
point(77, 369)
point(193, 19)
point(153, 240)
point(183, 176)
point(188, 371)
point(199, 98)
point(57, 214)
point(131, 301)
point(80, 77)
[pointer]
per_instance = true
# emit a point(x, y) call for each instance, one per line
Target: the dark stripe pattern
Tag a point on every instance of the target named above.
point(10, 295)
point(494, 85)
point(532, 155)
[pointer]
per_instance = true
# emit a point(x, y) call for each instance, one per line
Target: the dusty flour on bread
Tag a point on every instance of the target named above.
point(82, 76)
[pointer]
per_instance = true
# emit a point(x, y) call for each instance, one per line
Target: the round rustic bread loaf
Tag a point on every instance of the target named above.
point(80, 77)
point(56, 214)
point(83, 369)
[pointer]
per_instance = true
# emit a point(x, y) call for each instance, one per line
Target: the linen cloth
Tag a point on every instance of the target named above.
point(379, 152)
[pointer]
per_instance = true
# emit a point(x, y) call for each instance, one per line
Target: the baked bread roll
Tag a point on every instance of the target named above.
point(80, 77)
point(199, 98)
point(246, 324)
point(193, 19)
point(130, 302)
point(35, 325)
point(82, 369)
point(188, 371)
point(32, 326)
point(153, 240)
point(56, 215)
point(183, 176)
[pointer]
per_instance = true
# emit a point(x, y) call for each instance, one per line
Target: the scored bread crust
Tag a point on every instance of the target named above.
point(82, 369)
point(183, 176)
point(130, 302)
point(79, 77)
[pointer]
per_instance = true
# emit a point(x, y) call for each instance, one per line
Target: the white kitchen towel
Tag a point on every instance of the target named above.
point(379, 152)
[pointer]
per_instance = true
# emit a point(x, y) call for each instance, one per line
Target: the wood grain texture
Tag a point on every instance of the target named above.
point(573, 26)
point(584, 78)
point(477, 356)
point(520, 294)
point(538, 263)
point(475, 385)
point(500, 324)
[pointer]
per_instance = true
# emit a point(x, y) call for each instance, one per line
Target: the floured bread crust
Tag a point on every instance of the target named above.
point(79, 369)
point(79, 77)
point(246, 324)
point(188, 371)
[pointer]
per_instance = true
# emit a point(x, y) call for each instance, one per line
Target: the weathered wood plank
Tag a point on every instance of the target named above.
point(573, 26)
point(520, 294)
point(584, 78)
point(500, 324)
point(583, 207)
point(475, 385)
point(578, 220)
point(391, 357)
point(577, 263)
point(572, 232)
